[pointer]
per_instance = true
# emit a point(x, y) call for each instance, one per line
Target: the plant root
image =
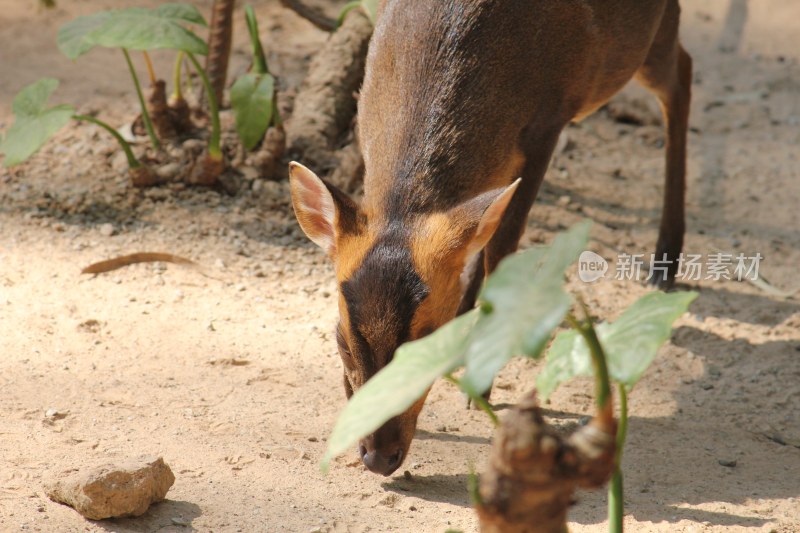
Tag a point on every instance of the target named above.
point(172, 119)
point(270, 155)
point(349, 172)
point(159, 111)
point(142, 176)
point(206, 170)
point(534, 471)
point(219, 45)
point(315, 17)
point(325, 105)
point(180, 114)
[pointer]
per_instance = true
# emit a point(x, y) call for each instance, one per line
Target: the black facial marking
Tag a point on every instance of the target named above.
point(382, 296)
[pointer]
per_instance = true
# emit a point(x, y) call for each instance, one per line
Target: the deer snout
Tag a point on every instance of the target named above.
point(380, 461)
point(383, 451)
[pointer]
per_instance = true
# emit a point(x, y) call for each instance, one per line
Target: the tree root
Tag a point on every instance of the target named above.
point(315, 17)
point(325, 105)
point(534, 471)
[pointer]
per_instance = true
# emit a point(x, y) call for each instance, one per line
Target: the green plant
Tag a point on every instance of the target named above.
point(134, 29)
point(253, 94)
point(629, 345)
point(35, 123)
point(521, 304)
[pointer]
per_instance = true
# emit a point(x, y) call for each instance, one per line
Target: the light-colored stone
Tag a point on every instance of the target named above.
point(168, 171)
point(113, 490)
point(107, 230)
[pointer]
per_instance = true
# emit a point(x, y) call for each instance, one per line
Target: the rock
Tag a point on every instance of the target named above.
point(169, 171)
point(124, 489)
point(119, 162)
point(55, 414)
point(729, 463)
point(107, 230)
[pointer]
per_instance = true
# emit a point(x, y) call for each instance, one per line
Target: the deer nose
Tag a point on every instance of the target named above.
point(381, 463)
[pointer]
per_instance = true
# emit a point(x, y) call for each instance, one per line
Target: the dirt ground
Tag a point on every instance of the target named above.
point(231, 373)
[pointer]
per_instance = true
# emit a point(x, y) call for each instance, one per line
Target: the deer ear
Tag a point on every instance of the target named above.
point(482, 215)
point(322, 210)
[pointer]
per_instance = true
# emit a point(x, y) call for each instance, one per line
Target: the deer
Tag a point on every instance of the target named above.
point(461, 106)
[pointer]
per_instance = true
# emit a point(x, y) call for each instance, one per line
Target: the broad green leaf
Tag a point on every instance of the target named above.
point(181, 12)
point(631, 343)
point(32, 99)
point(33, 122)
point(416, 365)
point(71, 36)
point(251, 99)
point(146, 29)
point(522, 303)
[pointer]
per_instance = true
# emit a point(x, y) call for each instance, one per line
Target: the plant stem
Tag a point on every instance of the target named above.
point(259, 59)
point(602, 384)
point(177, 92)
point(188, 78)
point(150, 70)
point(348, 7)
point(148, 124)
point(615, 489)
point(126, 147)
point(480, 401)
point(214, 149)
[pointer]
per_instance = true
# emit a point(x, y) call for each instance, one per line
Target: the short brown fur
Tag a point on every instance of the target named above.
point(461, 97)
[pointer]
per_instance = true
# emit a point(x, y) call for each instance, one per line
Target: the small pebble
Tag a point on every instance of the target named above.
point(407, 475)
point(727, 462)
point(168, 171)
point(107, 230)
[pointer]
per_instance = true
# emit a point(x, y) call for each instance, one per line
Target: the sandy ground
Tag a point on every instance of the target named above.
point(231, 374)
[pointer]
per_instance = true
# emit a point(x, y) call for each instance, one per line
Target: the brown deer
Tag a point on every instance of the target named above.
point(460, 98)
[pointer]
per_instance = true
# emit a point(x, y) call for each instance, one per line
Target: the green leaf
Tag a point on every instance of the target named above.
point(32, 99)
point(181, 12)
point(251, 99)
point(147, 29)
point(631, 343)
point(71, 36)
point(522, 303)
point(33, 123)
point(416, 365)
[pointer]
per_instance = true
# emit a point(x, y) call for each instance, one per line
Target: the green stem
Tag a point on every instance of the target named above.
point(126, 147)
point(602, 383)
point(259, 59)
point(348, 7)
point(480, 401)
point(177, 92)
point(615, 489)
point(148, 124)
point(214, 149)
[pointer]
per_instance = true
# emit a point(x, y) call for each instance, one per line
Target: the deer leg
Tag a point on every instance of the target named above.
point(667, 72)
point(538, 145)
